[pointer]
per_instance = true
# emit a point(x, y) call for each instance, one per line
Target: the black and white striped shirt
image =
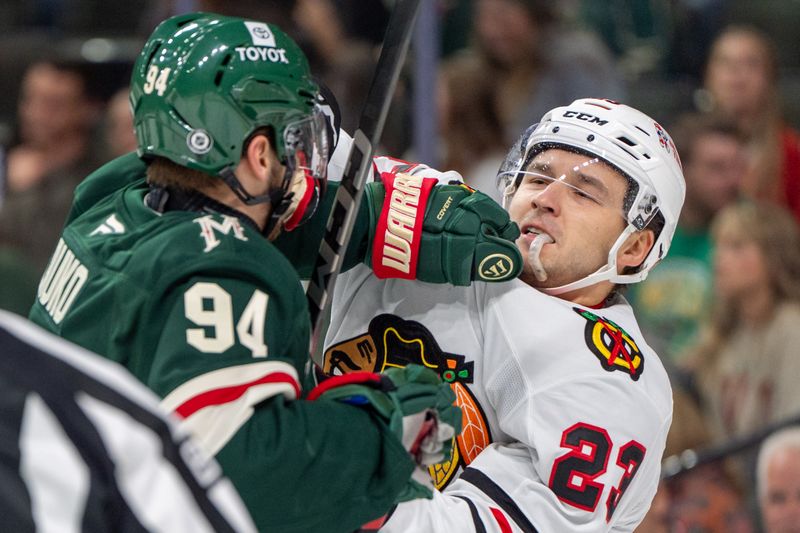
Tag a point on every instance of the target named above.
point(84, 447)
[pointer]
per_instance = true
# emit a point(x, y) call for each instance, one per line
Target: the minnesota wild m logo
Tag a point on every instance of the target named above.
point(209, 228)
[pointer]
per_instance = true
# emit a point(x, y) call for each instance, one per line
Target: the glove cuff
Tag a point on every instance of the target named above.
point(395, 250)
point(376, 381)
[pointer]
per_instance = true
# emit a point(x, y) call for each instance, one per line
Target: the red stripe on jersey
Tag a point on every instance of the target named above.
point(375, 525)
point(229, 394)
point(502, 521)
point(360, 377)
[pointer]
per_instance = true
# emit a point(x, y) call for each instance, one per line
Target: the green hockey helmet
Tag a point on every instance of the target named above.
point(204, 83)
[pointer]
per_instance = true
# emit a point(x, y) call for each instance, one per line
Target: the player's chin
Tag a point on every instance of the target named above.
point(529, 278)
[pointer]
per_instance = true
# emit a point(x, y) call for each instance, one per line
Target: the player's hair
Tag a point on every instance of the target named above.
point(166, 173)
point(785, 439)
point(163, 172)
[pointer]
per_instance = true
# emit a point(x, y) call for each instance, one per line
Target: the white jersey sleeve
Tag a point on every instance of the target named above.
point(338, 162)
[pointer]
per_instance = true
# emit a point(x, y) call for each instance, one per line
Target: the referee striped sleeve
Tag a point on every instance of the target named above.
point(84, 447)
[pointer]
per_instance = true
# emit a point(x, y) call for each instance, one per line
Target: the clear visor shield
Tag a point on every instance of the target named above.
point(576, 181)
point(583, 184)
point(306, 144)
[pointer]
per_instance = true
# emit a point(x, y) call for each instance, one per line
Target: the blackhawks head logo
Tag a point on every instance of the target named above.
point(612, 345)
point(392, 341)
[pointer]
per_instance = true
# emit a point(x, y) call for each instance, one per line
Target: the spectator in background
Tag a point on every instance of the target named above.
point(676, 297)
point(471, 132)
point(746, 364)
point(119, 135)
point(657, 518)
point(57, 115)
point(741, 82)
point(637, 33)
point(341, 37)
point(278, 12)
point(709, 499)
point(778, 481)
point(536, 62)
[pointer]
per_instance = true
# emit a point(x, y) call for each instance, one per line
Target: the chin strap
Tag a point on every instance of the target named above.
point(279, 199)
point(235, 185)
point(290, 204)
point(607, 272)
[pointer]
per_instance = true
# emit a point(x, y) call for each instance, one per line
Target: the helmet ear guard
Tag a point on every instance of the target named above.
point(630, 142)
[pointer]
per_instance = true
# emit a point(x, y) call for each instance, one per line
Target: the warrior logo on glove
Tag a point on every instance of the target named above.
point(496, 267)
point(393, 342)
point(461, 234)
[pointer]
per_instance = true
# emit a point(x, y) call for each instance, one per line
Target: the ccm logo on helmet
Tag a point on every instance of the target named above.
point(591, 119)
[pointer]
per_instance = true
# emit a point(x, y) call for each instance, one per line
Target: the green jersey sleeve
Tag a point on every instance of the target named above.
point(226, 361)
point(206, 312)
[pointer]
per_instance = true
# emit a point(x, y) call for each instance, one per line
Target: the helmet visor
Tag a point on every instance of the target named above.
point(579, 184)
point(306, 145)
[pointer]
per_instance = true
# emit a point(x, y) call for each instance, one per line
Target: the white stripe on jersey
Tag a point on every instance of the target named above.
point(59, 486)
point(101, 369)
point(216, 404)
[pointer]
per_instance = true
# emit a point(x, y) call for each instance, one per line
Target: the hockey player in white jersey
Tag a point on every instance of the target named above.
point(566, 407)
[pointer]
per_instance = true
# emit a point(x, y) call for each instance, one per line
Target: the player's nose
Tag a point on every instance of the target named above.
point(550, 198)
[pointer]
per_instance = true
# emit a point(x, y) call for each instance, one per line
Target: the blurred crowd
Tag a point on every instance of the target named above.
point(722, 310)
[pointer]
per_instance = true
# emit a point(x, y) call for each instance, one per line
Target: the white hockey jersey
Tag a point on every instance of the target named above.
point(566, 408)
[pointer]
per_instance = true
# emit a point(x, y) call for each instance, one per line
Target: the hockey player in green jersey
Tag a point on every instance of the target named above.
point(166, 266)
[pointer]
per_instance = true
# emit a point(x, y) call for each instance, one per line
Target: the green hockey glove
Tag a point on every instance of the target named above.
point(413, 402)
point(438, 233)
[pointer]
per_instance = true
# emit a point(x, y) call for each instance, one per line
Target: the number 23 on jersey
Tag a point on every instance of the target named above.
point(574, 475)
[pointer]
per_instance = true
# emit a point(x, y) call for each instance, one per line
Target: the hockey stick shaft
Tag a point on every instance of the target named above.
point(687, 460)
point(359, 161)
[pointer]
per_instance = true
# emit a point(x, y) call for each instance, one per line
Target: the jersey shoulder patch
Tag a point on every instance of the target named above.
point(612, 345)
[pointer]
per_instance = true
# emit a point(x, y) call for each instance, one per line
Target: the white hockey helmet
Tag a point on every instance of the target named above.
point(632, 143)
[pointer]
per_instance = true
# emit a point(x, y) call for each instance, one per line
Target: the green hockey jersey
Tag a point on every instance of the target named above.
point(212, 317)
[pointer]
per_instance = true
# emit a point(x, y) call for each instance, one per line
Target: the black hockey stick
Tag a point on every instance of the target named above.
point(687, 460)
point(348, 196)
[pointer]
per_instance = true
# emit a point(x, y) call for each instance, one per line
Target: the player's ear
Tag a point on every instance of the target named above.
point(259, 156)
point(635, 249)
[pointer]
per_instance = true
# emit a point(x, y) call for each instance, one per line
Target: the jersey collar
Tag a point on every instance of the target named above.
point(163, 199)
